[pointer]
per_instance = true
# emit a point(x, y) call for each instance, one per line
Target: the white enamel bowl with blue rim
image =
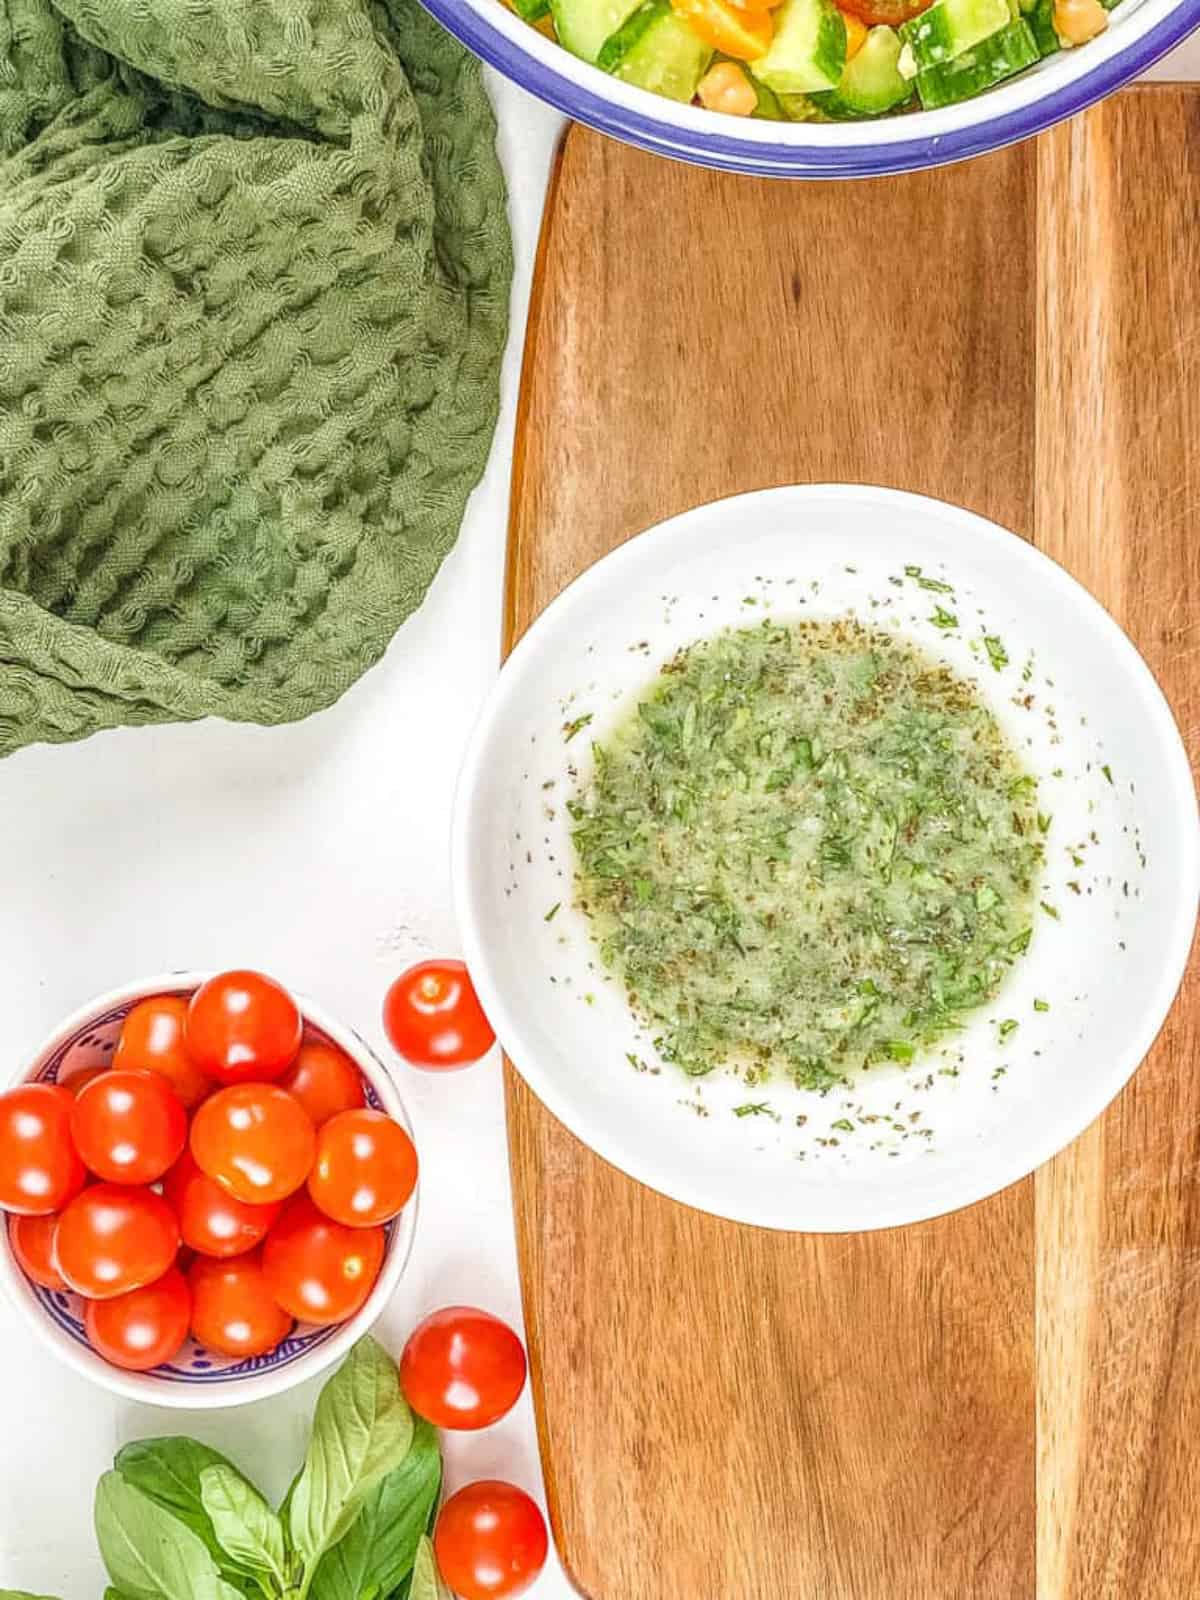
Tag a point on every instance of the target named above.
point(1141, 31)
point(1108, 945)
point(198, 1379)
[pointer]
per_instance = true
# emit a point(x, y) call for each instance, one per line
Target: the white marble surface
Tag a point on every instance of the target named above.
point(318, 852)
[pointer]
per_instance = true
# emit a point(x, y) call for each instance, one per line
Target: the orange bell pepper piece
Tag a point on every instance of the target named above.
point(745, 35)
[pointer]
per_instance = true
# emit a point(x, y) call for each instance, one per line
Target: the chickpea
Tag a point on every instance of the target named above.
point(1077, 21)
point(726, 88)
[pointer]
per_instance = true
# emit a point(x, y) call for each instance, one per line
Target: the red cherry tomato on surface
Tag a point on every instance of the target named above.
point(128, 1126)
point(255, 1141)
point(152, 1041)
point(318, 1270)
point(233, 1310)
point(462, 1368)
point(490, 1541)
point(112, 1239)
point(324, 1080)
point(242, 1027)
point(212, 1222)
point(39, 1168)
point(77, 1078)
point(32, 1241)
point(143, 1328)
point(365, 1168)
point(433, 1016)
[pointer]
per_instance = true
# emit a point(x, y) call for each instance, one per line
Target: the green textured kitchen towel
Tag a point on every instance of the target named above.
point(254, 274)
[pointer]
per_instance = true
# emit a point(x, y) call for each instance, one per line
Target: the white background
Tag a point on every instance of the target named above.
point(318, 852)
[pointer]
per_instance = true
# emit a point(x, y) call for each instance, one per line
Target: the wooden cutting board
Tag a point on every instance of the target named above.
point(1003, 1404)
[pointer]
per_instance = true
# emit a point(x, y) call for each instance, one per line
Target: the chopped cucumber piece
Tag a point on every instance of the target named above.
point(531, 10)
point(808, 51)
point(584, 26)
point(656, 50)
point(801, 108)
point(951, 27)
point(1041, 24)
point(1010, 50)
point(871, 83)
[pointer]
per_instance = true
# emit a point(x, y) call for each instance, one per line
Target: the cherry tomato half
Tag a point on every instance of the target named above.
point(111, 1239)
point(128, 1126)
point(152, 1041)
point(490, 1541)
point(211, 1221)
point(879, 12)
point(317, 1269)
point(32, 1242)
point(433, 1017)
point(324, 1080)
point(39, 1168)
point(365, 1168)
point(255, 1140)
point(462, 1368)
point(143, 1328)
point(233, 1310)
point(242, 1027)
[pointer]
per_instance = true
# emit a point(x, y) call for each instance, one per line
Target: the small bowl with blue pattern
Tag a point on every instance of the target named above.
point(196, 1378)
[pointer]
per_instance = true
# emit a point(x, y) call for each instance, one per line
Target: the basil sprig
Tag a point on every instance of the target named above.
point(175, 1520)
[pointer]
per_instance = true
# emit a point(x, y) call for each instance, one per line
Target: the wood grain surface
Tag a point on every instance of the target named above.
point(1003, 1404)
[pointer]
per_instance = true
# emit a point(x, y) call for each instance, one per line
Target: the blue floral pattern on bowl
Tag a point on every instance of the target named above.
point(93, 1044)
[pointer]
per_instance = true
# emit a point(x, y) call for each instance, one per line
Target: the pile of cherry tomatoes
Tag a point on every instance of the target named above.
point(223, 1176)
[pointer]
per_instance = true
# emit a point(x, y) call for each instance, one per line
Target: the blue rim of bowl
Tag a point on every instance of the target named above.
point(720, 151)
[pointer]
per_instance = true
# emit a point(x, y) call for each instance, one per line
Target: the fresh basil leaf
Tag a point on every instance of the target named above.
point(243, 1522)
point(426, 1580)
point(377, 1551)
point(168, 1471)
point(362, 1431)
point(150, 1554)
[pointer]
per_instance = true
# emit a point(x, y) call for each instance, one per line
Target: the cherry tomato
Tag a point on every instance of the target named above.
point(32, 1241)
point(462, 1368)
point(433, 1016)
point(128, 1126)
point(255, 1141)
point(233, 1310)
point(324, 1080)
point(365, 1168)
point(320, 1271)
point(39, 1168)
point(143, 1328)
point(112, 1239)
point(77, 1078)
point(889, 12)
point(212, 1222)
point(152, 1041)
point(242, 1027)
point(490, 1541)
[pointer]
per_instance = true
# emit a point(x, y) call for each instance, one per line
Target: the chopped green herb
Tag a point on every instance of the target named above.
point(1107, 771)
point(997, 654)
point(843, 1125)
point(941, 618)
point(570, 729)
point(753, 1108)
point(553, 911)
point(1043, 822)
point(1051, 911)
point(1041, 1005)
point(935, 584)
point(1008, 1027)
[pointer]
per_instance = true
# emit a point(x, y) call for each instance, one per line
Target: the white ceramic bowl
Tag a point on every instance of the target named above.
point(198, 1379)
point(1109, 965)
point(1061, 85)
